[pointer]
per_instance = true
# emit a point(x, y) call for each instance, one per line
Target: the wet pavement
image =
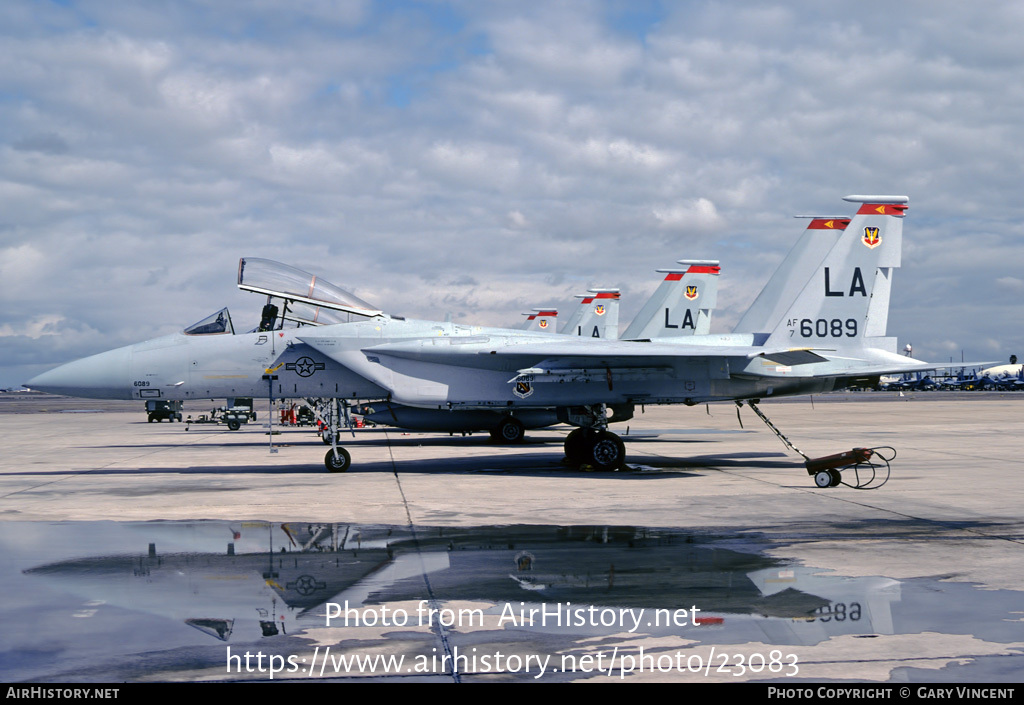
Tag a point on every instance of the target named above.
point(109, 601)
point(141, 552)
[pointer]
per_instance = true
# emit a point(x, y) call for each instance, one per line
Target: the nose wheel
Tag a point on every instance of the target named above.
point(339, 462)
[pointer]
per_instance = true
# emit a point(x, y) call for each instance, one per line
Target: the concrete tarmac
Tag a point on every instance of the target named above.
point(932, 563)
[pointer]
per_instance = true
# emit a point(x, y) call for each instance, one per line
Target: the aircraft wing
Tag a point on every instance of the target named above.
point(531, 357)
point(869, 368)
point(958, 365)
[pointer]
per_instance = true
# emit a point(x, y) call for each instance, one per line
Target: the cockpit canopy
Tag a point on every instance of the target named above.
point(307, 299)
point(304, 299)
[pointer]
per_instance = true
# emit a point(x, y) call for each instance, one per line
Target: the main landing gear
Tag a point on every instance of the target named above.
point(596, 447)
point(509, 430)
point(592, 444)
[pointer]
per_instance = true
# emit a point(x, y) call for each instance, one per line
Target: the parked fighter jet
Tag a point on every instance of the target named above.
point(830, 333)
point(686, 296)
point(598, 314)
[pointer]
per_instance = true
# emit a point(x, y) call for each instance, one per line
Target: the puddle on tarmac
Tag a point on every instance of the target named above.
point(111, 601)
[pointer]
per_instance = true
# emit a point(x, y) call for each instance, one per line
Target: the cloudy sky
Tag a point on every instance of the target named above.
point(481, 158)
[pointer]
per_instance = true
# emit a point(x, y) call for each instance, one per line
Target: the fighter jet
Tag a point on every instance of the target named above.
point(686, 296)
point(830, 334)
point(597, 313)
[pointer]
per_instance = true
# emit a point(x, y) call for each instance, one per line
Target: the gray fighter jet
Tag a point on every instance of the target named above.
point(597, 316)
point(823, 328)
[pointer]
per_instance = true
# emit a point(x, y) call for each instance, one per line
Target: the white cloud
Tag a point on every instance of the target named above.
point(1013, 284)
point(382, 143)
point(517, 220)
point(35, 328)
point(698, 215)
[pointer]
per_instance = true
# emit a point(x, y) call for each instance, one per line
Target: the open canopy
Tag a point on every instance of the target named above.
point(312, 300)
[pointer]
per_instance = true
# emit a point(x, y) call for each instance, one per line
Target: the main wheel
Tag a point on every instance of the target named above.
point(234, 425)
point(340, 463)
point(575, 444)
point(823, 478)
point(509, 430)
point(605, 451)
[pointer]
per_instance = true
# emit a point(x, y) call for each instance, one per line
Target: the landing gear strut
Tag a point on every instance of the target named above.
point(337, 458)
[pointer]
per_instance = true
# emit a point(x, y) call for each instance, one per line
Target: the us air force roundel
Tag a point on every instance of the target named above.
point(305, 366)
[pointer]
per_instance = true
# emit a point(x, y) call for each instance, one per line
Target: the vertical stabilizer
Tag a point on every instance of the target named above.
point(573, 321)
point(542, 320)
point(597, 315)
point(845, 299)
point(682, 303)
point(807, 253)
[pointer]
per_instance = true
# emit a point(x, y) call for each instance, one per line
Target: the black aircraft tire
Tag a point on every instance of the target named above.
point(339, 464)
point(605, 451)
point(510, 430)
point(575, 445)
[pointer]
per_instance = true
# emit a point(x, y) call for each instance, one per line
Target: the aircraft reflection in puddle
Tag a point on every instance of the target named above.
point(241, 582)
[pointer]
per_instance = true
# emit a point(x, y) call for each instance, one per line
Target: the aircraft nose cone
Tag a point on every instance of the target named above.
point(103, 376)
